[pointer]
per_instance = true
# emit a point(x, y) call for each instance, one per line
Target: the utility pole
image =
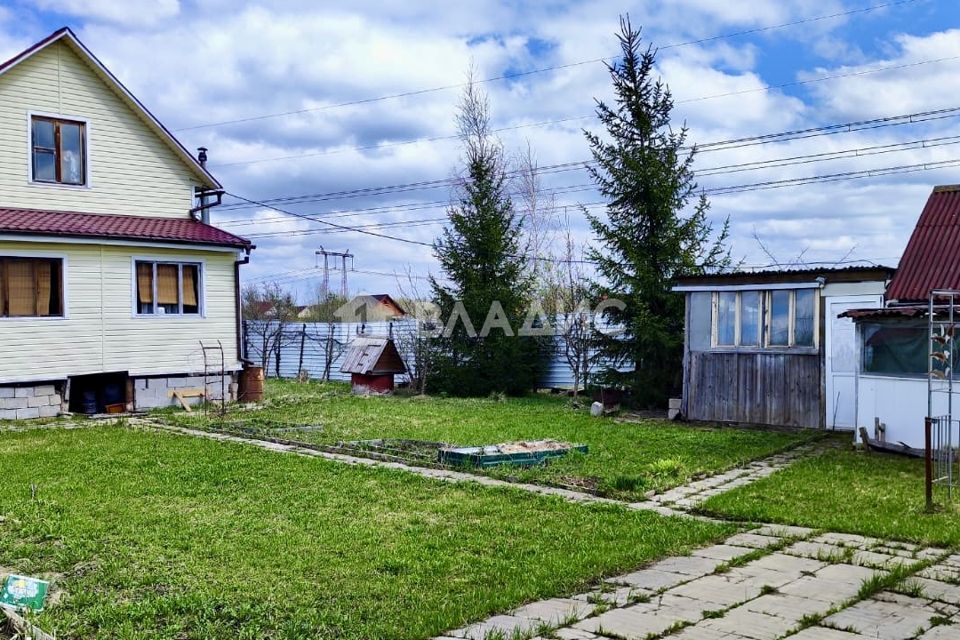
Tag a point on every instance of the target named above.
point(330, 352)
point(343, 255)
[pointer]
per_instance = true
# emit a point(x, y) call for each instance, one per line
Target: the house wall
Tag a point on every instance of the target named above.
point(900, 403)
point(26, 402)
point(131, 170)
point(100, 332)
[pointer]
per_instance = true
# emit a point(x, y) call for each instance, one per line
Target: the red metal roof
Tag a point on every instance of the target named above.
point(932, 258)
point(117, 227)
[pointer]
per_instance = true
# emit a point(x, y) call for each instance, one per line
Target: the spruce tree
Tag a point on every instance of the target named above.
point(482, 259)
point(655, 228)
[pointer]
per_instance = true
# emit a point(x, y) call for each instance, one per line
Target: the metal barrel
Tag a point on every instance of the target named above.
point(251, 384)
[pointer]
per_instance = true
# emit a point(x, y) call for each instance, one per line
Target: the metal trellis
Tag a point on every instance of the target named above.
point(942, 430)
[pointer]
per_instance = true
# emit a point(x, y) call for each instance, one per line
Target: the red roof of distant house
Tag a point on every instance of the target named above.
point(115, 227)
point(932, 258)
point(384, 298)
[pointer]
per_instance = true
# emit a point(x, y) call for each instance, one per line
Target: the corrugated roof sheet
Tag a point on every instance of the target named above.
point(787, 274)
point(932, 258)
point(365, 353)
point(886, 312)
point(120, 227)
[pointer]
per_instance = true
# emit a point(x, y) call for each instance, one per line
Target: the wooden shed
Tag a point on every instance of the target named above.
point(769, 347)
point(372, 363)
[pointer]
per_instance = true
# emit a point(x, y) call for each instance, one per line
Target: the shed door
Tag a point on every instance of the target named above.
point(841, 358)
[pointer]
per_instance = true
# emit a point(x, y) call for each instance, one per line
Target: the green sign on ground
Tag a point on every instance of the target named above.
point(21, 592)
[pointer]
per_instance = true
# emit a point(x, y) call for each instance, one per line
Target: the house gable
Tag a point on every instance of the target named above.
point(135, 166)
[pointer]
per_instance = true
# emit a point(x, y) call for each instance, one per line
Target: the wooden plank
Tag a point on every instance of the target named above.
point(25, 627)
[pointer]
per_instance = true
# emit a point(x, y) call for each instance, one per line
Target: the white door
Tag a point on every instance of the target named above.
point(841, 358)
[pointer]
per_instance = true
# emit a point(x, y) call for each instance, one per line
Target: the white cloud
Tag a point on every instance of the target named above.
point(911, 83)
point(225, 60)
point(122, 12)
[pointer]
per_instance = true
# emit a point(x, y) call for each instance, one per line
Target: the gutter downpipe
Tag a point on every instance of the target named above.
point(238, 307)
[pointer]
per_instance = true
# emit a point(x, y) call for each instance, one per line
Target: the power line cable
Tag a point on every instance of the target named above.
point(773, 163)
point(726, 190)
point(543, 123)
point(718, 145)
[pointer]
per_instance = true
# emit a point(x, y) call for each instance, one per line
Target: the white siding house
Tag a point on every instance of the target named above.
point(109, 280)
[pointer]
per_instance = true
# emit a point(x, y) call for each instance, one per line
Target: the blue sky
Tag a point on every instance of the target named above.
point(197, 63)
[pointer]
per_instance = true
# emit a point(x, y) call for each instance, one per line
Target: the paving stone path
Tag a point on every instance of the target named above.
point(693, 494)
point(766, 584)
point(773, 582)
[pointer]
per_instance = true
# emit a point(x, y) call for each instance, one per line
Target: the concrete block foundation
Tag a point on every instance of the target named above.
point(154, 393)
point(25, 402)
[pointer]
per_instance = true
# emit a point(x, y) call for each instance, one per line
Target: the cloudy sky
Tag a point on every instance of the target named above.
point(322, 101)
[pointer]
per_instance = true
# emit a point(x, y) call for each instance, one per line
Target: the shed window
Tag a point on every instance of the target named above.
point(803, 317)
point(750, 318)
point(58, 150)
point(782, 318)
point(726, 319)
point(168, 288)
point(31, 287)
point(779, 319)
point(895, 350)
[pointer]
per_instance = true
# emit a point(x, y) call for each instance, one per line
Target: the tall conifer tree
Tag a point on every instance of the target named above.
point(481, 256)
point(655, 228)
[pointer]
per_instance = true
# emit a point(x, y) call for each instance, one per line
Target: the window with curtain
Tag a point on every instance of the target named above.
point(58, 150)
point(31, 287)
point(167, 288)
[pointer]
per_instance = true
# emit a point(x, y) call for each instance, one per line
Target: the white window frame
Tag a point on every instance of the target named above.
point(64, 288)
point(766, 321)
point(87, 132)
point(791, 322)
point(180, 262)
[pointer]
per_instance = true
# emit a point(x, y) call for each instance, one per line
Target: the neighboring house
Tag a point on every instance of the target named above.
point(893, 343)
point(108, 281)
point(370, 308)
point(768, 347)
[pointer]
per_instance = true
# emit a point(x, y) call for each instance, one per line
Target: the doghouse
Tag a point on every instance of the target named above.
point(372, 363)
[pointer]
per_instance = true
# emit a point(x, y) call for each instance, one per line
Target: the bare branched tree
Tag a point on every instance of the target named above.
point(269, 310)
point(574, 314)
point(326, 325)
point(414, 335)
point(536, 208)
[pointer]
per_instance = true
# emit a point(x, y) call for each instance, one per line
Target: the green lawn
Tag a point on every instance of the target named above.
point(625, 459)
point(155, 535)
point(848, 491)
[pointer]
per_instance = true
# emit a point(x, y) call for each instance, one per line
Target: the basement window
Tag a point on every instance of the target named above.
point(31, 287)
point(168, 288)
point(58, 151)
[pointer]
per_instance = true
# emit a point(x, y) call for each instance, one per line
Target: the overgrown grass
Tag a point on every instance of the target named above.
point(849, 491)
point(155, 535)
point(625, 459)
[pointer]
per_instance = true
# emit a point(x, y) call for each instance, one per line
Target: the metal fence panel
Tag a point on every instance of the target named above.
point(303, 349)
